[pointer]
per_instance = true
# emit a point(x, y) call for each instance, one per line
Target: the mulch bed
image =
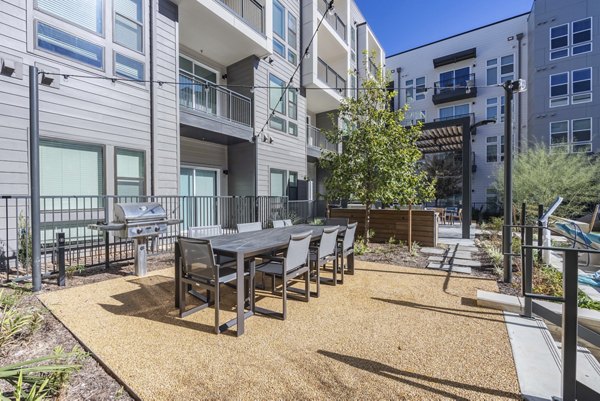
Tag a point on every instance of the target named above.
point(393, 254)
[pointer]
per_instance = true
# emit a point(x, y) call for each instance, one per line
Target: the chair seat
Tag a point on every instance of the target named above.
point(275, 268)
point(313, 257)
point(226, 274)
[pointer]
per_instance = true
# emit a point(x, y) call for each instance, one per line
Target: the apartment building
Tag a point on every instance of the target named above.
point(457, 77)
point(563, 75)
point(214, 124)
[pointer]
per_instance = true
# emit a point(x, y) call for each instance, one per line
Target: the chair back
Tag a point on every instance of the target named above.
point(349, 236)
point(337, 221)
point(328, 241)
point(247, 227)
point(297, 252)
point(197, 257)
point(278, 223)
point(287, 222)
point(205, 231)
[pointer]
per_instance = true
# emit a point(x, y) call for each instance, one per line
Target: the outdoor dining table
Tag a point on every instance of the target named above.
point(246, 246)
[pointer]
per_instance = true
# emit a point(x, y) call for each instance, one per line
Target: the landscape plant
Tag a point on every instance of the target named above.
point(380, 158)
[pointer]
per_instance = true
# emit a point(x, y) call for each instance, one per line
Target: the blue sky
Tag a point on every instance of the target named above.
point(403, 24)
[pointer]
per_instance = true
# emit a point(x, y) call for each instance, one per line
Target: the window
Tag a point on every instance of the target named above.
point(581, 85)
point(559, 89)
point(580, 39)
point(502, 148)
point(559, 41)
point(353, 42)
point(448, 113)
point(451, 79)
point(293, 129)
point(279, 19)
point(278, 47)
point(492, 109)
point(492, 149)
point(58, 42)
point(278, 185)
point(293, 186)
point(492, 72)
point(409, 91)
point(582, 36)
point(130, 178)
point(293, 104)
point(277, 123)
point(68, 168)
point(420, 88)
point(292, 57)
point(128, 67)
point(507, 68)
point(87, 14)
point(559, 136)
point(292, 31)
point(582, 135)
point(276, 92)
point(129, 30)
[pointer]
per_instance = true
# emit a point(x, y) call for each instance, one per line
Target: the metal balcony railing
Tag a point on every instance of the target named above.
point(471, 115)
point(201, 95)
point(250, 11)
point(328, 75)
point(334, 20)
point(456, 83)
point(317, 139)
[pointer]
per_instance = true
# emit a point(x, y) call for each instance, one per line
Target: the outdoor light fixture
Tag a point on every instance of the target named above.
point(46, 80)
point(478, 124)
point(330, 8)
point(8, 67)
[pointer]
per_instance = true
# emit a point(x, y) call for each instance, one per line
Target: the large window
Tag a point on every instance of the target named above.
point(571, 136)
point(564, 43)
point(285, 40)
point(409, 91)
point(64, 44)
point(129, 30)
point(128, 68)
point(448, 113)
point(130, 169)
point(68, 169)
point(87, 14)
point(492, 72)
point(492, 149)
point(575, 87)
point(276, 94)
point(459, 77)
point(492, 109)
point(278, 182)
point(500, 70)
point(420, 88)
point(293, 104)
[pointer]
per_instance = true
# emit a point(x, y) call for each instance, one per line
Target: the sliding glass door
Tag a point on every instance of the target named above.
point(200, 186)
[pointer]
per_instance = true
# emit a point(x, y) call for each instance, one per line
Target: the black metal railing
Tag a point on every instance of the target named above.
point(84, 247)
point(330, 77)
point(201, 95)
point(461, 87)
point(316, 138)
point(471, 115)
point(336, 22)
point(251, 11)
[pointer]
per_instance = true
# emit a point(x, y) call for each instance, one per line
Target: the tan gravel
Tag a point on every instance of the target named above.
point(387, 333)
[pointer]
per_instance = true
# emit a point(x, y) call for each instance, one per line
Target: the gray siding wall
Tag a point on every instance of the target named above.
point(85, 110)
point(242, 169)
point(545, 15)
point(287, 152)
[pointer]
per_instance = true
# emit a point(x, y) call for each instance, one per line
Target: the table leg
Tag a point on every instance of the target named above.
point(240, 293)
point(177, 257)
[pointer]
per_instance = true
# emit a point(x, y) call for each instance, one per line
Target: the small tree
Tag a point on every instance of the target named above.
point(380, 157)
point(540, 175)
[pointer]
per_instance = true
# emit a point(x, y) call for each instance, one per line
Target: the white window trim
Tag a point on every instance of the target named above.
point(58, 17)
point(567, 47)
point(583, 43)
point(142, 24)
point(550, 145)
point(582, 93)
point(590, 142)
point(567, 95)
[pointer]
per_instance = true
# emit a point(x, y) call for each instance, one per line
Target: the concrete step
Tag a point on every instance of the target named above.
point(433, 251)
point(445, 267)
point(538, 359)
point(466, 248)
point(455, 261)
point(460, 255)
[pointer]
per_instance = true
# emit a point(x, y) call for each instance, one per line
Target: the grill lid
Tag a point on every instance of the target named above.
point(136, 212)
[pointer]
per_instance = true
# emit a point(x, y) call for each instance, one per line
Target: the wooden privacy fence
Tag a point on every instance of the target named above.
point(387, 223)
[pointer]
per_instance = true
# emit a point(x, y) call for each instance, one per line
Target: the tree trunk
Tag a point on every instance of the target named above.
point(367, 221)
point(410, 227)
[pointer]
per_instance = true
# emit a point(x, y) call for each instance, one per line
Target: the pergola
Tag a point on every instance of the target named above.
point(452, 136)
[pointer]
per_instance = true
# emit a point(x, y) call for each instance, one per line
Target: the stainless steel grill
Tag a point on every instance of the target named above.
point(140, 222)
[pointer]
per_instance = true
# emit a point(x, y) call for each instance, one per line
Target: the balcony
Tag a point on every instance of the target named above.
point(334, 20)
point(454, 117)
point(240, 24)
point(331, 78)
point(316, 141)
point(458, 88)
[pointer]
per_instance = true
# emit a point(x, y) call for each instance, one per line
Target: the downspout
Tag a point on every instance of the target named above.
point(398, 72)
point(519, 63)
point(358, 57)
point(151, 55)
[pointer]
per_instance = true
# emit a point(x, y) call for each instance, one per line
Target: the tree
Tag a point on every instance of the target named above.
point(446, 169)
point(380, 159)
point(540, 175)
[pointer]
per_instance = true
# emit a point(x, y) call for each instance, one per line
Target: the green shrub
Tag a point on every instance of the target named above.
point(360, 247)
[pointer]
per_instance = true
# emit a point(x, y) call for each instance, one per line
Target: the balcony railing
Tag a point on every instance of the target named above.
point(458, 88)
point(470, 115)
point(250, 11)
point(202, 95)
point(317, 139)
point(333, 19)
point(328, 75)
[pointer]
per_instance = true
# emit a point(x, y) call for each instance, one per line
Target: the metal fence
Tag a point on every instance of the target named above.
point(251, 11)
point(316, 138)
point(84, 247)
point(330, 77)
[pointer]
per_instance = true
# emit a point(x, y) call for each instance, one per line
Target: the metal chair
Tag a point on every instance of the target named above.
point(337, 221)
point(197, 267)
point(293, 264)
point(326, 252)
point(278, 224)
point(204, 231)
point(346, 249)
point(288, 223)
point(248, 227)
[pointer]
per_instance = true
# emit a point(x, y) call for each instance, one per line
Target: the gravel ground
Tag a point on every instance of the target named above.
point(388, 333)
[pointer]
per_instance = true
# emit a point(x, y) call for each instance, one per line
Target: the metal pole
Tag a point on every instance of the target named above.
point(540, 240)
point(466, 167)
point(569, 326)
point(34, 178)
point(528, 271)
point(508, 199)
point(60, 239)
